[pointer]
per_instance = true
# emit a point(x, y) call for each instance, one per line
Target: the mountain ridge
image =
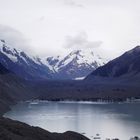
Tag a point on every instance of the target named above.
point(126, 65)
point(22, 64)
point(76, 64)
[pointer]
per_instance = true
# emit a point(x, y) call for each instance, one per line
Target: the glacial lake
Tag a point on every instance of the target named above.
point(110, 120)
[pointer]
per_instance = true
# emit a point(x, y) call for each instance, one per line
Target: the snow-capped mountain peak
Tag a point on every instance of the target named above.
point(77, 63)
point(14, 54)
point(8, 51)
point(21, 63)
point(84, 57)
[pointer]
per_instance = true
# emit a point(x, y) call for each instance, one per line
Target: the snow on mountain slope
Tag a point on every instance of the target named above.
point(88, 58)
point(9, 52)
point(78, 63)
point(51, 62)
point(22, 64)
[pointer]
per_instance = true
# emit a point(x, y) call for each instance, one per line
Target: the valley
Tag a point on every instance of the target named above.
point(112, 82)
point(69, 70)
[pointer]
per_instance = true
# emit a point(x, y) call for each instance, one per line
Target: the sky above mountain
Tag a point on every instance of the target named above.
point(50, 27)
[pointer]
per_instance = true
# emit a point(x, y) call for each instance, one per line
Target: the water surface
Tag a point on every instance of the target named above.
point(110, 120)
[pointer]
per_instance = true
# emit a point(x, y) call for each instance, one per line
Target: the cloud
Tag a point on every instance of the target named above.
point(42, 18)
point(80, 41)
point(14, 38)
point(73, 3)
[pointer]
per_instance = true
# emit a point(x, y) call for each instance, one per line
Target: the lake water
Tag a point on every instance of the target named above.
point(110, 120)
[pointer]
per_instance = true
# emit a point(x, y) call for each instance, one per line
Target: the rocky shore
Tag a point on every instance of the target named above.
point(14, 130)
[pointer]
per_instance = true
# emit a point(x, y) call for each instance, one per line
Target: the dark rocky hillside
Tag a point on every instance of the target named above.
point(3, 70)
point(14, 130)
point(12, 89)
point(127, 65)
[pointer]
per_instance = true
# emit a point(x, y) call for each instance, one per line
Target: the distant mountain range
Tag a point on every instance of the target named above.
point(77, 64)
point(127, 65)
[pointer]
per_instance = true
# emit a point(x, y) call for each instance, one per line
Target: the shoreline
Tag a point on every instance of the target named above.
point(15, 130)
point(71, 101)
point(128, 100)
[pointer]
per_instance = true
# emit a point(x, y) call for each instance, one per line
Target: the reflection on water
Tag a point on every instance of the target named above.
point(108, 120)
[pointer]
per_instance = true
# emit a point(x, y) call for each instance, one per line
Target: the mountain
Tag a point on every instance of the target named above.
point(22, 64)
point(3, 70)
point(127, 65)
point(77, 64)
point(12, 89)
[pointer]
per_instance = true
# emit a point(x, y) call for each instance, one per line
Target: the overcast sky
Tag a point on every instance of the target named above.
point(50, 27)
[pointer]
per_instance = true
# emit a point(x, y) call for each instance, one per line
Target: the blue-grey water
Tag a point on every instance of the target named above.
point(110, 120)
